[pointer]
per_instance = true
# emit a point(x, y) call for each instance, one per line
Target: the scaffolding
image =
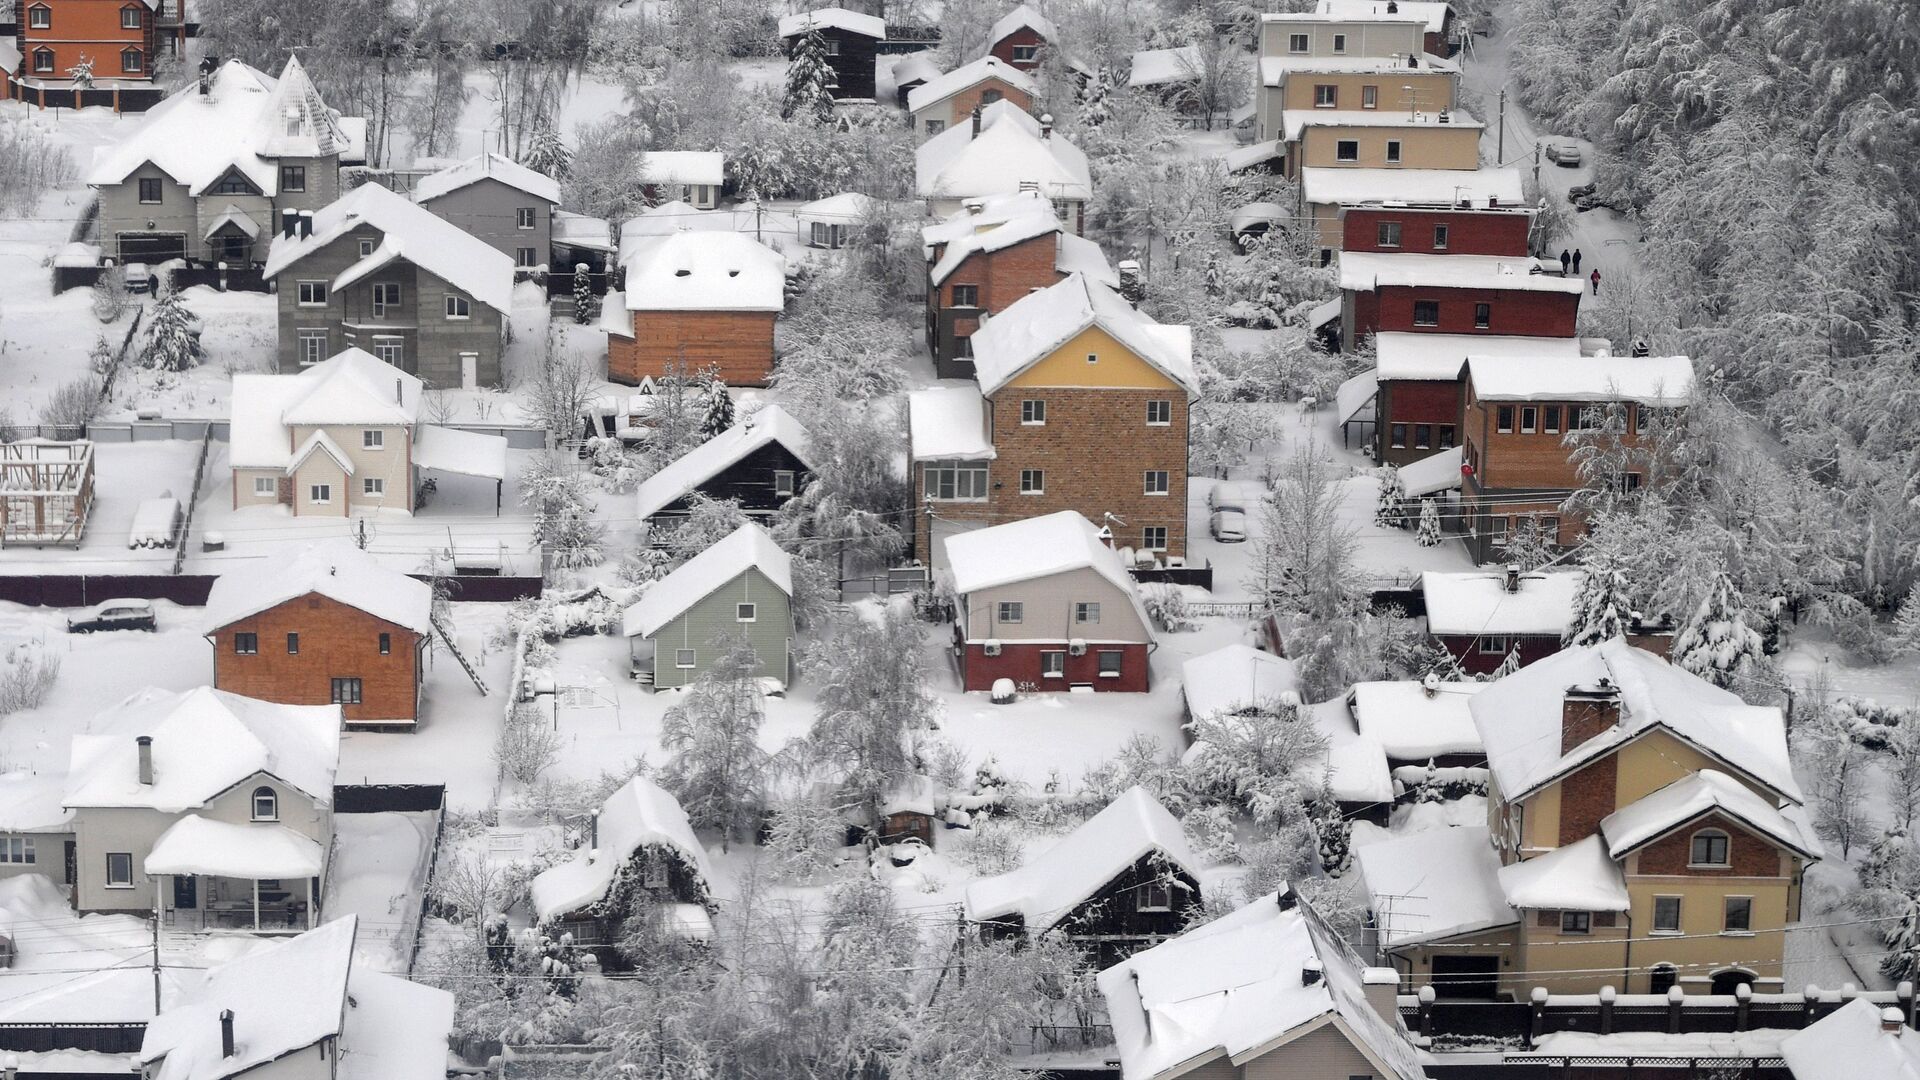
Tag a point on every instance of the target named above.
point(46, 492)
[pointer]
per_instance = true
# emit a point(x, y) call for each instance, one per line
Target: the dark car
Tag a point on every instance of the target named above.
point(1580, 191)
point(113, 615)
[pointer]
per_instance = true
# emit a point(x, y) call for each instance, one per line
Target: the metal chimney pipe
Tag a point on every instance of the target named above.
point(226, 1033)
point(145, 745)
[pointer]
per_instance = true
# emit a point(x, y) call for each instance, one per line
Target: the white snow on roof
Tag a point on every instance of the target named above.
point(771, 424)
point(948, 422)
point(915, 68)
point(1519, 718)
point(1032, 548)
point(1007, 153)
point(411, 232)
point(1001, 222)
point(1356, 767)
point(973, 73)
point(1440, 357)
point(487, 165)
point(833, 18)
point(204, 742)
point(468, 453)
point(748, 547)
point(352, 387)
point(1236, 677)
point(1032, 327)
point(30, 802)
point(1851, 1044)
point(1422, 187)
point(1257, 213)
point(912, 796)
point(1274, 70)
point(1580, 876)
point(1435, 884)
point(232, 215)
point(1079, 255)
point(1157, 67)
point(1246, 157)
point(1663, 381)
point(1437, 472)
point(395, 1029)
point(284, 997)
point(1324, 17)
point(1653, 816)
point(640, 814)
point(669, 218)
point(1474, 603)
point(197, 845)
point(1433, 12)
point(683, 167)
point(704, 271)
point(1411, 720)
point(1295, 121)
point(1049, 888)
point(846, 206)
point(334, 569)
point(1237, 984)
point(1356, 395)
point(1022, 17)
point(582, 231)
point(1366, 270)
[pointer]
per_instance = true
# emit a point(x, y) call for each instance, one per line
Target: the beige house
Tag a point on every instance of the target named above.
point(1324, 34)
point(1363, 139)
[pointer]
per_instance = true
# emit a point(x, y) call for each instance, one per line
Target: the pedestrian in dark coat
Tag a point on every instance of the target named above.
point(1576, 262)
point(1596, 281)
point(1564, 260)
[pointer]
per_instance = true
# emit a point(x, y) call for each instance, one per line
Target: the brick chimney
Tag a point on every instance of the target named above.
point(1891, 1021)
point(976, 122)
point(1586, 712)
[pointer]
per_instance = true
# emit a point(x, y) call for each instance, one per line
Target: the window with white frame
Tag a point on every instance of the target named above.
point(1297, 43)
point(1326, 96)
point(390, 349)
point(16, 850)
point(1493, 645)
point(1086, 611)
point(1010, 611)
point(312, 346)
point(1156, 481)
point(1709, 847)
point(1033, 481)
point(320, 493)
point(130, 17)
point(43, 59)
point(132, 61)
point(1666, 914)
point(526, 256)
point(1369, 97)
point(346, 691)
point(1025, 53)
point(266, 804)
point(366, 246)
point(1739, 915)
point(783, 483)
point(746, 613)
point(1053, 664)
point(1155, 895)
point(1154, 538)
point(1388, 234)
point(956, 481)
point(1159, 413)
point(265, 487)
point(523, 217)
point(1110, 662)
point(1033, 411)
point(1576, 922)
point(373, 487)
point(40, 17)
point(683, 658)
point(373, 439)
point(313, 294)
point(459, 308)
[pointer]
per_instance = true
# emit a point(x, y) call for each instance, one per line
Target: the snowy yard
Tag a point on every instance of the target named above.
point(124, 474)
point(379, 873)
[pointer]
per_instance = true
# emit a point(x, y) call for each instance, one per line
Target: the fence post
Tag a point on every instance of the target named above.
point(1904, 992)
point(1675, 996)
point(1537, 1018)
point(1606, 1010)
point(1426, 1011)
point(1810, 1005)
point(1742, 1006)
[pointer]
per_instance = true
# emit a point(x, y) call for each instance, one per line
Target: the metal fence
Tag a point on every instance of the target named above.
point(43, 1038)
point(190, 590)
point(388, 798)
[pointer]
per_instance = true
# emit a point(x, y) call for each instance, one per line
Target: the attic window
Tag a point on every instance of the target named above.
point(733, 273)
point(683, 273)
point(293, 122)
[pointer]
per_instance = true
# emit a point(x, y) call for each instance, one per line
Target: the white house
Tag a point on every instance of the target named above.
point(691, 176)
point(1003, 152)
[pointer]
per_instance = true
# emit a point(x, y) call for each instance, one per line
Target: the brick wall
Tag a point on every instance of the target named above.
point(1002, 276)
point(1586, 797)
point(1003, 49)
point(336, 641)
point(1582, 717)
point(1469, 232)
point(738, 343)
point(959, 107)
point(1514, 312)
point(1021, 663)
point(1412, 402)
point(87, 29)
point(1747, 854)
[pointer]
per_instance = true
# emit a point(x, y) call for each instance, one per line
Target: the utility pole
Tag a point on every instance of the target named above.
point(1500, 148)
point(156, 950)
point(1536, 166)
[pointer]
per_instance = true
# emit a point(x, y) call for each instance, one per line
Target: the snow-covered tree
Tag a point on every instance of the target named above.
point(719, 415)
point(102, 358)
point(1716, 643)
point(110, 297)
point(82, 73)
point(1902, 962)
point(808, 92)
point(173, 335)
point(1531, 545)
point(1263, 760)
point(674, 419)
point(872, 701)
point(1304, 556)
point(582, 294)
point(564, 389)
point(1390, 512)
point(1428, 534)
point(717, 769)
point(708, 521)
point(1903, 771)
point(1840, 769)
point(547, 155)
point(1507, 666)
point(1600, 606)
point(561, 494)
point(1906, 623)
point(1335, 833)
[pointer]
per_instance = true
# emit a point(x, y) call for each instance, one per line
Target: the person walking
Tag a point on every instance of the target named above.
point(1576, 262)
point(1596, 281)
point(1564, 260)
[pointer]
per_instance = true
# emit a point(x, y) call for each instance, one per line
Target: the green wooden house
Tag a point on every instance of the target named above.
point(742, 585)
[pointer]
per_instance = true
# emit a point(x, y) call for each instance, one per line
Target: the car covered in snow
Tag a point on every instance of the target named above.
point(1228, 526)
point(1564, 153)
point(113, 615)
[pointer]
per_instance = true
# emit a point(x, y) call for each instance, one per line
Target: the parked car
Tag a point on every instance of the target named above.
point(138, 277)
point(1228, 526)
point(113, 615)
point(1581, 191)
point(1565, 154)
point(1229, 495)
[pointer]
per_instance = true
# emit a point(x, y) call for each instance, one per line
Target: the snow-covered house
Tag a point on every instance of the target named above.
point(301, 1009)
point(214, 809)
point(1380, 71)
point(1481, 196)
point(699, 300)
point(911, 72)
point(1419, 721)
point(498, 201)
point(343, 437)
point(35, 829)
point(375, 271)
point(690, 176)
point(1858, 1039)
point(1417, 387)
point(1236, 678)
point(830, 222)
point(1003, 150)
point(1435, 17)
point(1383, 138)
point(1046, 603)
point(1269, 990)
point(1438, 907)
point(1016, 38)
point(1482, 617)
point(639, 852)
point(327, 624)
point(760, 462)
point(741, 587)
point(851, 40)
point(50, 44)
point(945, 102)
point(1477, 295)
point(1123, 880)
point(211, 173)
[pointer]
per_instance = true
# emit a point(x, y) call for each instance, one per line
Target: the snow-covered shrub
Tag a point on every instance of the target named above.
point(582, 294)
point(804, 839)
point(1166, 605)
point(1209, 830)
point(527, 746)
point(1389, 511)
point(610, 460)
point(74, 404)
point(994, 848)
point(643, 566)
point(110, 298)
point(31, 164)
point(27, 677)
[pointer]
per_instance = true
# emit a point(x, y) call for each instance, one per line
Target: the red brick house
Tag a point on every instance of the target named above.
point(698, 299)
point(329, 625)
point(1017, 38)
point(1417, 379)
point(1455, 294)
point(946, 101)
point(116, 38)
point(1480, 617)
point(1437, 230)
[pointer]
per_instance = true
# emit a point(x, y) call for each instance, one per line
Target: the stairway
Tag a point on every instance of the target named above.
point(446, 638)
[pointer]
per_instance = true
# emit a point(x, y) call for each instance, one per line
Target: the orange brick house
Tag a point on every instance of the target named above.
point(1019, 35)
point(947, 101)
point(329, 625)
point(698, 299)
point(54, 37)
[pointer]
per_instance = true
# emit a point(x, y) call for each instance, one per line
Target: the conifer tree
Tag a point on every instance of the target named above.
point(1508, 666)
point(1598, 607)
point(547, 155)
point(1717, 644)
point(808, 92)
point(719, 405)
point(582, 294)
point(172, 342)
point(1391, 512)
point(1429, 534)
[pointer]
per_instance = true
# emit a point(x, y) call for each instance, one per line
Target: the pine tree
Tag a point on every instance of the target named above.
point(719, 405)
point(1391, 512)
point(1906, 623)
point(1598, 607)
point(1903, 943)
point(547, 155)
point(173, 344)
point(1531, 545)
point(1336, 837)
point(808, 79)
point(101, 359)
point(1429, 534)
point(582, 294)
point(1717, 644)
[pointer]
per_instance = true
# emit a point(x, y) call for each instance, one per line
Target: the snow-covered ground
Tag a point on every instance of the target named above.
point(379, 873)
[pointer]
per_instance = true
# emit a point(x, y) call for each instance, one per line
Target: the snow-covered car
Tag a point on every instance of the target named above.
point(1229, 495)
point(1581, 191)
point(1566, 154)
point(1228, 526)
point(113, 615)
point(1256, 219)
point(138, 277)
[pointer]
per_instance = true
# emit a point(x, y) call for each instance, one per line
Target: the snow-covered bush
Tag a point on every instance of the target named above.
point(74, 404)
point(27, 677)
point(561, 496)
point(993, 848)
point(1166, 605)
point(110, 298)
point(32, 163)
point(582, 294)
point(804, 839)
point(1210, 832)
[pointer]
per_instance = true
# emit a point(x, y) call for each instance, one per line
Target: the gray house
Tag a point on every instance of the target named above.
point(211, 170)
point(497, 200)
point(376, 272)
point(741, 586)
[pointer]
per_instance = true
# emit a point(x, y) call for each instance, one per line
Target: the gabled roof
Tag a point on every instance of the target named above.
point(948, 422)
point(335, 569)
point(833, 18)
point(749, 547)
point(1237, 987)
point(408, 231)
point(1023, 17)
point(1034, 326)
point(353, 387)
point(1424, 187)
point(704, 271)
point(1687, 799)
point(1049, 888)
point(771, 424)
point(848, 206)
point(1580, 876)
point(1519, 718)
point(999, 223)
point(204, 742)
point(1853, 1043)
point(970, 74)
point(683, 167)
point(1434, 884)
point(640, 814)
point(1236, 677)
point(320, 443)
point(487, 166)
point(1404, 354)
point(1412, 720)
point(1368, 270)
point(1663, 381)
point(915, 68)
point(1008, 152)
point(1158, 67)
point(1477, 603)
point(1032, 548)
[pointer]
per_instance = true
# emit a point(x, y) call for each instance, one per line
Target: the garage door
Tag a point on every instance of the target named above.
point(1466, 976)
point(152, 248)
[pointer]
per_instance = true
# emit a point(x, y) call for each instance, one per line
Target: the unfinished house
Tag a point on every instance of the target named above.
point(46, 491)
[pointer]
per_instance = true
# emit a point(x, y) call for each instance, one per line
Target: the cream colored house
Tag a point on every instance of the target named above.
point(1365, 139)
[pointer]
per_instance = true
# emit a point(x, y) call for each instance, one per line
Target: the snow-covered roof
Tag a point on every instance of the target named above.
point(1257, 213)
point(1415, 187)
point(396, 1029)
point(1412, 720)
point(1049, 888)
point(914, 795)
point(204, 742)
point(1355, 396)
point(833, 18)
point(408, 231)
point(582, 231)
point(1854, 1042)
point(1355, 769)
point(1663, 381)
point(247, 121)
point(638, 815)
point(669, 218)
point(771, 424)
point(1024, 17)
point(337, 570)
point(683, 167)
point(704, 271)
point(236, 217)
point(1324, 17)
point(1476, 603)
point(991, 224)
point(748, 547)
point(1032, 548)
point(9, 56)
point(1079, 255)
point(1707, 791)
point(1437, 472)
point(846, 206)
point(1032, 327)
point(1295, 121)
point(1439, 357)
point(1157, 67)
point(1434, 884)
point(1274, 70)
point(1580, 876)
point(30, 802)
point(1236, 987)
point(468, 453)
point(319, 442)
point(1367, 270)
point(352, 387)
point(1008, 152)
point(284, 997)
point(1433, 12)
point(915, 68)
point(1519, 718)
point(948, 422)
point(197, 845)
point(1246, 157)
point(970, 74)
point(487, 165)
point(1236, 677)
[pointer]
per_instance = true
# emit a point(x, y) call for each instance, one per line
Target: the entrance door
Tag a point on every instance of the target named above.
point(186, 891)
point(1466, 976)
point(1726, 982)
point(469, 371)
point(1662, 978)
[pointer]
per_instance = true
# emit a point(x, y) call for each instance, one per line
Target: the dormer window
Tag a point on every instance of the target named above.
point(1709, 848)
point(130, 17)
point(233, 183)
point(40, 17)
point(266, 804)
